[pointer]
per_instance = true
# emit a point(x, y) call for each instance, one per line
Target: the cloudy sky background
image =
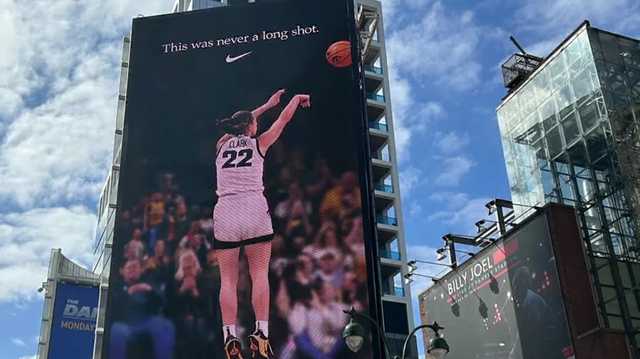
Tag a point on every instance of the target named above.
point(59, 72)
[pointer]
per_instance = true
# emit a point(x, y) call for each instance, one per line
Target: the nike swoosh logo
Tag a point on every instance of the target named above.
point(230, 59)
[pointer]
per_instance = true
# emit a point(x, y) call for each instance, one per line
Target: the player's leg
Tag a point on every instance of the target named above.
point(258, 257)
point(228, 263)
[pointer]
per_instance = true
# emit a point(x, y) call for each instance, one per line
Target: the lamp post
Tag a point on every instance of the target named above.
point(354, 335)
point(438, 347)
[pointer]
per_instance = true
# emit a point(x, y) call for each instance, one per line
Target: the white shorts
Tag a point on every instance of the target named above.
point(241, 219)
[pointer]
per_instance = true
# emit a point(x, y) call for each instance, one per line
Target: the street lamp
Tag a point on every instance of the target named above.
point(438, 347)
point(354, 335)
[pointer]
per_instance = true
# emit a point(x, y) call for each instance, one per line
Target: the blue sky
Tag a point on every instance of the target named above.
point(58, 83)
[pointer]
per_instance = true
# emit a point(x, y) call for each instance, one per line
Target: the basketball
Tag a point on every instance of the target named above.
point(339, 54)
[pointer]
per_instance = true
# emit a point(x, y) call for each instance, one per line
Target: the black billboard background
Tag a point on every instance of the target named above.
point(173, 101)
point(505, 303)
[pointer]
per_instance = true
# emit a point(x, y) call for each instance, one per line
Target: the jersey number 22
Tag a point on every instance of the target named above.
point(245, 158)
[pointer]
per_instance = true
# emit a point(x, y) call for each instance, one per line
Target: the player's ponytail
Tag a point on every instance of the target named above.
point(237, 124)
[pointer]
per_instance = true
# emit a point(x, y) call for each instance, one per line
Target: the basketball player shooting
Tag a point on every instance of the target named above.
point(241, 218)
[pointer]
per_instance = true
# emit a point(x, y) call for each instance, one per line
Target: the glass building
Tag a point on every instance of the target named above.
point(570, 134)
point(396, 293)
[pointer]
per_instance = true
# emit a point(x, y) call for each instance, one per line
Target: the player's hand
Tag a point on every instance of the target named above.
point(304, 100)
point(274, 100)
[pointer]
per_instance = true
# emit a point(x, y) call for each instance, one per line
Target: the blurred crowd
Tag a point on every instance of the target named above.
point(166, 300)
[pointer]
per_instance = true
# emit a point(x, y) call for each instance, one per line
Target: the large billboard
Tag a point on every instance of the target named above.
point(505, 303)
point(242, 201)
point(73, 326)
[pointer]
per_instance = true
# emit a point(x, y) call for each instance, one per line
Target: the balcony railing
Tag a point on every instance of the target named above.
point(381, 157)
point(384, 253)
point(384, 187)
point(379, 126)
point(374, 69)
point(397, 291)
point(392, 221)
point(375, 97)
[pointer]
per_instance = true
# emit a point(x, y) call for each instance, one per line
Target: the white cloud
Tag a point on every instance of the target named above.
point(426, 113)
point(409, 177)
point(60, 150)
point(454, 168)
point(551, 16)
point(402, 101)
point(449, 197)
point(59, 74)
point(415, 208)
point(18, 342)
point(461, 212)
point(28, 357)
point(552, 20)
point(410, 117)
point(390, 9)
point(26, 239)
point(439, 49)
point(450, 142)
point(58, 86)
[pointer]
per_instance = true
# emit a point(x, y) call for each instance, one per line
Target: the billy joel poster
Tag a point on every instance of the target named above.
point(242, 205)
point(505, 302)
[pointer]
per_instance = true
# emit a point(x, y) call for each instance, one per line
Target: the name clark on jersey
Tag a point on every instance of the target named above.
point(238, 142)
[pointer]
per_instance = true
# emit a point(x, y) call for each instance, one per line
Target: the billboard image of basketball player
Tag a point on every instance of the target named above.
point(239, 165)
point(243, 224)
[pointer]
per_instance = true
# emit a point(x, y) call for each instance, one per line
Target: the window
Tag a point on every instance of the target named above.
point(395, 317)
point(589, 116)
point(596, 144)
point(554, 142)
point(570, 127)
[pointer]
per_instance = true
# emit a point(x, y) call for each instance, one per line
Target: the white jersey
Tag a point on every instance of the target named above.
point(239, 166)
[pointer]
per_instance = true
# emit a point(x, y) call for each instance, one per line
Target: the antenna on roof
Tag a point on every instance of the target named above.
point(515, 42)
point(518, 67)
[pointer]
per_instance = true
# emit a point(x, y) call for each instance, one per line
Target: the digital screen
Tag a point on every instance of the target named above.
point(504, 303)
point(73, 326)
point(241, 220)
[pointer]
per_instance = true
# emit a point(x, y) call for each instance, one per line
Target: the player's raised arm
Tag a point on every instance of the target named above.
point(273, 101)
point(269, 137)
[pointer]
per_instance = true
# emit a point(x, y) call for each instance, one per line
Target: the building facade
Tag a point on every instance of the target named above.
point(570, 134)
point(396, 299)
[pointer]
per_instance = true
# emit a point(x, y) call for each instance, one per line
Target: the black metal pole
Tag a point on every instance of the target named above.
point(452, 254)
point(501, 225)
